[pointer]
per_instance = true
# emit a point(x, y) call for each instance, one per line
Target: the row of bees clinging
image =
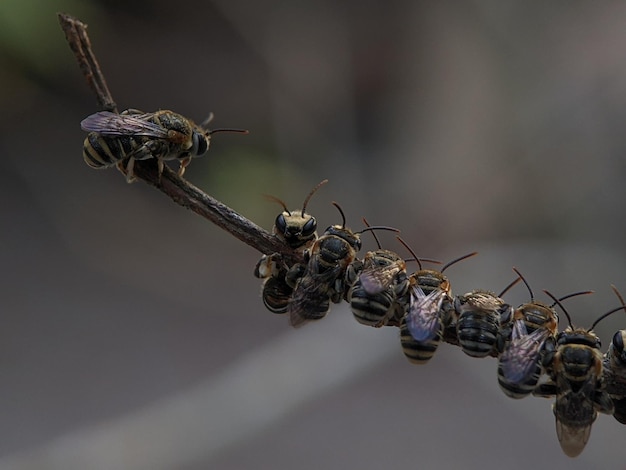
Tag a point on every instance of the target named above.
point(534, 357)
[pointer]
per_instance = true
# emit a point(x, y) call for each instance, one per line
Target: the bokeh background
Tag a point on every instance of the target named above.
point(133, 335)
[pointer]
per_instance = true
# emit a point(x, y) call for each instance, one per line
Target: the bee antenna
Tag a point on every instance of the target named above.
point(622, 307)
point(279, 201)
point(208, 120)
point(619, 296)
point(558, 302)
point(415, 257)
point(506, 289)
point(454, 261)
point(228, 129)
point(373, 233)
point(602, 317)
point(378, 227)
point(306, 201)
point(530, 291)
point(568, 296)
point(343, 216)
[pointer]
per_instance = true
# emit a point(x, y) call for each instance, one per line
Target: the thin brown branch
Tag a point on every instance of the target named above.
point(76, 35)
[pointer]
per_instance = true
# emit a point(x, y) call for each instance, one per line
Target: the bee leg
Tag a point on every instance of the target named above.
point(603, 402)
point(160, 166)
point(184, 162)
point(130, 175)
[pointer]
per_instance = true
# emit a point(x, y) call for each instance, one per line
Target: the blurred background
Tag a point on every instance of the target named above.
point(133, 334)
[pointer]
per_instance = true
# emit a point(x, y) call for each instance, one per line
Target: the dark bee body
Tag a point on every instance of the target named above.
point(520, 361)
point(614, 364)
point(276, 291)
point(575, 370)
point(323, 277)
point(135, 135)
point(298, 230)
point(479, 317)
point(615, 368)
point(379, 287)
point(521, 345)
point(429, 311)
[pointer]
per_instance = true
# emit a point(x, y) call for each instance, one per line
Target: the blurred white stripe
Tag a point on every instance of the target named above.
point(250, 394)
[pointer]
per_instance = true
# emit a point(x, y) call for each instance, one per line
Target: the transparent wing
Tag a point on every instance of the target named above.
point(422, 318)
point(107, 123)
point(572, 439)
point(520, 358)
point(376, 279)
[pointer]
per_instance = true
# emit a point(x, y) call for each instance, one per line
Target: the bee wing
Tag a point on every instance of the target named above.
point(107, 123)
point(310, 300)
point(423, 316)
point(376, 279)
point(520, 357)
point(572, 439)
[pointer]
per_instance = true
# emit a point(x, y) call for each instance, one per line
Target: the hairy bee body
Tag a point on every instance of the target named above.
point(297, 229)
point(135, 135)
point(429, 312)
point(379, 287)
point(276, 292)
point(614, 364)
point(478, 323)
point(323, 278)
point(521, 344)
point(575, 369)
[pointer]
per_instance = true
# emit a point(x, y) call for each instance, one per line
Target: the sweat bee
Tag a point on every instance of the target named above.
point(575, 372)
point(522, 341)
point(480, 314)
point(615, 366)
point(322, 279)
point(379, 286)
point(298, 230)
point(134, 135)
point(429, 311)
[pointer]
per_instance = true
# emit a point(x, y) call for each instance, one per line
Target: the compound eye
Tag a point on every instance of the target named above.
point(200, 143)
point(281, 223)
point(309, 227)
point(618, 341)
point(357, 244)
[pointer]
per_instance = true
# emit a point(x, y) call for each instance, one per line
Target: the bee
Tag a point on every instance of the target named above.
point(575, 370)
point(522, 341)
point(379, 286)
point(614, 363)
point(134, 135)
point(480, 314)
point(323, 278)
point(429, 311)
point(298, 230)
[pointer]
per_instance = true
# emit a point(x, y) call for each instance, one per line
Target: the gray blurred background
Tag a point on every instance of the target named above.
point(133, 335)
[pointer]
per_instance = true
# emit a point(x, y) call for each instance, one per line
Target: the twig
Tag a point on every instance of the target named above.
point(177, 188)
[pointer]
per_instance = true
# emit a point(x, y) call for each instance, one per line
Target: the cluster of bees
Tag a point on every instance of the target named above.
point(534, 357)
